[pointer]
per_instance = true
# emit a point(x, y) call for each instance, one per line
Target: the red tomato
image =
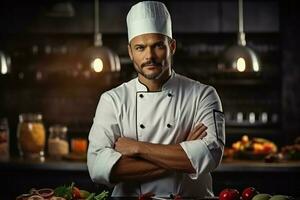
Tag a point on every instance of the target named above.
point(76, 193)
point(248, 193)
point(229, 194)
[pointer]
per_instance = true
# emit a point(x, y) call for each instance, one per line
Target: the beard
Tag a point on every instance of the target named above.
point(160, 69)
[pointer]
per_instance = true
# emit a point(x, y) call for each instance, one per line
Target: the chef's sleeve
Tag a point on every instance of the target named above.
point(101, 155)
point(206, 154)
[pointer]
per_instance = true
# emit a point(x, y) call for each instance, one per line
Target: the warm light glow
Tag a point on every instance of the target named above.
point(97, 65)
point(241, 64)
point(4, 68)
point(255, 67)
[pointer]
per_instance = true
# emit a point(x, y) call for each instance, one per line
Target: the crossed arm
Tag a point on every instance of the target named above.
point(144, 161)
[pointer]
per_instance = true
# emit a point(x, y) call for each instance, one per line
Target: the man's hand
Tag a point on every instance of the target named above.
point(198, 132)
point(127, 146)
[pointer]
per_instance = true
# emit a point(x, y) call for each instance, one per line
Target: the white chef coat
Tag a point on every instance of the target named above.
point(164, 117)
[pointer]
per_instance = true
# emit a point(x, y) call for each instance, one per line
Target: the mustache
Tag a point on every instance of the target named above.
point(151, 63)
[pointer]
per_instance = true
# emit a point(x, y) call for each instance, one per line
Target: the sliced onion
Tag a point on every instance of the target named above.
point(57, 198)
point(36, 197)
point(46, 192)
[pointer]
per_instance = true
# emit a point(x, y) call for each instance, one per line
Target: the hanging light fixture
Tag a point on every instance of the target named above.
point(99, 58)
point(61, 9)
point(239, 58)
point(4, 63)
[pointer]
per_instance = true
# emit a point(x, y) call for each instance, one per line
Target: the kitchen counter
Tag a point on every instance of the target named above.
point(272, 178)
point(225, 166)
point(21, 175)
point(17, 163)
point(258, 166)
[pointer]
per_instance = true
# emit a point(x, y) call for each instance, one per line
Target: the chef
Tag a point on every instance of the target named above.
point(161, 132)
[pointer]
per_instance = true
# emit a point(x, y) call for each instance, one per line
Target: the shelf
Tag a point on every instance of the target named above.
point(242, 82)
point(258, 166)
point(253, 129)
point(245, 79)
point(94, 81)
point(44, 165)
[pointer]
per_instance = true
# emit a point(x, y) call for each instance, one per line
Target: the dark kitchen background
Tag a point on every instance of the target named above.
point(46, 41)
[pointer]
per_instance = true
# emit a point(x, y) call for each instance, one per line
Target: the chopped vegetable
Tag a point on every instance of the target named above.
point(102, 196)
point(74, 193)
point(84, 194)
point(64, 191)
point(91, 197)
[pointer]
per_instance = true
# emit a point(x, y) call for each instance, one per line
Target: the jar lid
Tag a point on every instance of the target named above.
point(58, 128)
point(30, 117)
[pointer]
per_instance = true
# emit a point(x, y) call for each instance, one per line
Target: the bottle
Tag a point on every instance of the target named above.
point(58, 145)
point(4, 139)
point(31, 135)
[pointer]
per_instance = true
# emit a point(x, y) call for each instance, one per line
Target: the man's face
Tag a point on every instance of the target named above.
point(151, 55)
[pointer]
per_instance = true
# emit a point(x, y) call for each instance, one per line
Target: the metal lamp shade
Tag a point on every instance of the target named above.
point(101, 59)
point(98, 58)
point(239, 58)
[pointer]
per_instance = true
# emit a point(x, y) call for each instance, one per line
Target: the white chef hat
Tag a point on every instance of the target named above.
point(148, 17)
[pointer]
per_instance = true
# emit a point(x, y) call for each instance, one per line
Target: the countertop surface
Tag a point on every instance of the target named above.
point(22, 174)
point(259, 165)
point(43, 164)
point(67, 165)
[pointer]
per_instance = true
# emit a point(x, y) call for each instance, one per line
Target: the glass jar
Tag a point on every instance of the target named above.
point(31, 135)
point(58, 145)
point(4, 139)
point(79, 145)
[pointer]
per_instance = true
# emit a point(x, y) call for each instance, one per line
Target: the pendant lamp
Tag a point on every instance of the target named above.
point(4, 63)
point(98, 58)
point(239, 58)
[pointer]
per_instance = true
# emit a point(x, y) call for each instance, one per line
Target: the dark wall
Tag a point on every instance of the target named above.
point(291, 69)
point(46, 47)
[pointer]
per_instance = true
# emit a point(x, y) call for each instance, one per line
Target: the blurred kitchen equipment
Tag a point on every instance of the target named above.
point(61, 9)
point(5, 63)
point(263, 117)
point(239, 58)
point(31, 135)
point(4, 139)
point(100, 58)
point(58, 145)
point(252, 118)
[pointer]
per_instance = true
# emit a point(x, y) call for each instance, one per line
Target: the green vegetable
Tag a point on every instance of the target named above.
point(91, 196)
point(67, 191)
point(64, 191)
point(102, 196)
point(84, 194)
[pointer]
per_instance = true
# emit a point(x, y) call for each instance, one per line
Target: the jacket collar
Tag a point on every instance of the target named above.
point(167, 86)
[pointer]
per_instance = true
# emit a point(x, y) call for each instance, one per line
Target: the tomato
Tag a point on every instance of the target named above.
point(76, 193)
point(248, 193)
point(229, 194)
